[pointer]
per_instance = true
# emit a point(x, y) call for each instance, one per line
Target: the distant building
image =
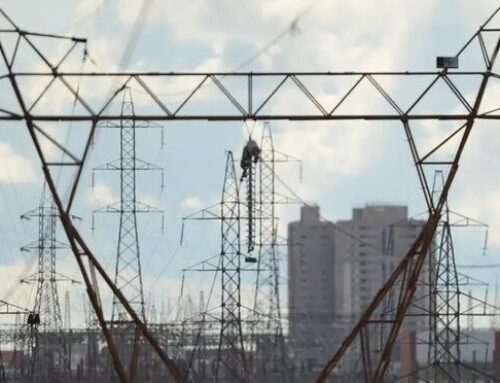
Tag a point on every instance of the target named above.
point(311, 287)
point(380, 237)
point(334, 270)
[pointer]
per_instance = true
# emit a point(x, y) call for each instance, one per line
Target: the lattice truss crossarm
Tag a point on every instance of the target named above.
point(12, 309)
point(140, 165)
point(209, 264)
point(116, 207)
point(56, 245)
point(303, 94)
point(257, 101)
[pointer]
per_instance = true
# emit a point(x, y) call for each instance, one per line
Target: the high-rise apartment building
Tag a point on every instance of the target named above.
point(380, 237)
point(335, 269)
point(311, 286)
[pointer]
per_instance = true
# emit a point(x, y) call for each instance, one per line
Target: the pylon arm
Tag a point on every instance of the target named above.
point(139, 165)
point(9, 308)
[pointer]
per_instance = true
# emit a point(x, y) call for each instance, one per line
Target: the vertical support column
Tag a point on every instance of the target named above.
point(128, 275)
point(268, 331)
point(231, 363)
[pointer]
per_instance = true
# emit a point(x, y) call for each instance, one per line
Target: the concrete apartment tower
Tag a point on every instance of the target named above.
point(311, 287)
point(334, 270)
point(383, 234)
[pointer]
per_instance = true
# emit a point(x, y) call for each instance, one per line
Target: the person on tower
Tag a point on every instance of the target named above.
point(251, 153)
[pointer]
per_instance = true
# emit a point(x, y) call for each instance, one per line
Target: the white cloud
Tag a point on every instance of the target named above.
point(86, 7)
point(100, 196)
point(12, 274)
point(192, 203)
point(15, 168)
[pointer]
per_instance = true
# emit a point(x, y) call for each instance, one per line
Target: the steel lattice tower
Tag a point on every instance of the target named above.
point(444, 335)
point(447, 287)
point(438, 311)
point(268, 330)
point(231, 361)
point(230, 364)
point(48, 346)
point(128, 273)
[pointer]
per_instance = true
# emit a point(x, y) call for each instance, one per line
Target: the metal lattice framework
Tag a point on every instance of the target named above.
point(231, 362)
point(257, 99)
point(445, 312)
point(268, 327)
point(128, 274)
point(49, 359)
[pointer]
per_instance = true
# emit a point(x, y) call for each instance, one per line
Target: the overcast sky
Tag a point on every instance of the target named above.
point(345, 164)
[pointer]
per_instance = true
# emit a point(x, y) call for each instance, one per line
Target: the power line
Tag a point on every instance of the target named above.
point(335, 226)
point(135, 34)
point(486, 266)
point(291, 28)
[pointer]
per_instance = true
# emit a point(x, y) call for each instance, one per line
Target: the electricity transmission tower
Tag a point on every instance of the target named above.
point(267, 323)
point(48, 346)
point(463, 97)
point(265, 352)
point(446, 310)
point(231, 362)
point(128, 273)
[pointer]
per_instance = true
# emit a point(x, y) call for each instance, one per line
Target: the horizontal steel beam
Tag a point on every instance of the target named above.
point(244, 117)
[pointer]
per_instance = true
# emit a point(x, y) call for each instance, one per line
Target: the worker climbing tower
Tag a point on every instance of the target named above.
point(249, 159)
